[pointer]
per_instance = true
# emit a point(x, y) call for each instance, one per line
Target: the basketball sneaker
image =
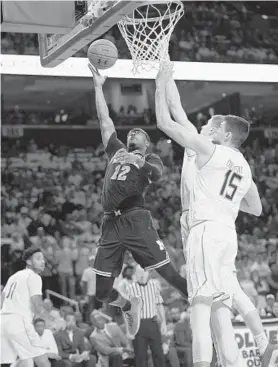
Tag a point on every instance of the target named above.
point(132, 317)
point(270, 356)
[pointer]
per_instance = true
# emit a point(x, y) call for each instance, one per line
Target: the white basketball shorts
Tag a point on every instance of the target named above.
point(18, 339)
point(184, 230)
point(210, 253)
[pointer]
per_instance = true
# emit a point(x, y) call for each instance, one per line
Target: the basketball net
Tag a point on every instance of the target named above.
point(147, 32)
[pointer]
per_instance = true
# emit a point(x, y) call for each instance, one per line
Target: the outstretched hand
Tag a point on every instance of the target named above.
point(164, 74)
point(99, 80)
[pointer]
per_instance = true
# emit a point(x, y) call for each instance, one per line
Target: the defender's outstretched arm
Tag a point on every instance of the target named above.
point(190, 140)
point(175, 106)
point(178, 112)
point(106, 124)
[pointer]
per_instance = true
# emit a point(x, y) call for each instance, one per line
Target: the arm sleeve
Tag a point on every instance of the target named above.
point(153, 167)
point(113, 145)
point(35, 285)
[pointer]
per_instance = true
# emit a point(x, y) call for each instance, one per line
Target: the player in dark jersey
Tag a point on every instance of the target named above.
point(126, 224)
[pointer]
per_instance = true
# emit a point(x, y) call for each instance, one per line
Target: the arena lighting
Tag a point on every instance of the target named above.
point(77, 67)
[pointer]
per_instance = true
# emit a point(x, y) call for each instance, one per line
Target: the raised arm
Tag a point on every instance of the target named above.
point(178, 112)
point(251, 203)
point(175, 106)
point(106, 124)
point(200, 144)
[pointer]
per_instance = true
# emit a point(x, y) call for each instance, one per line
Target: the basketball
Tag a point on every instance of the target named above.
point(102, 54)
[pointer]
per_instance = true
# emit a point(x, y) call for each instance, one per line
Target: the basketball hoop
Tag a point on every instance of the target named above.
point(147, 33)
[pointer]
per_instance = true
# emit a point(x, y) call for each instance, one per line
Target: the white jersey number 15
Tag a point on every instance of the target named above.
point(230, 184)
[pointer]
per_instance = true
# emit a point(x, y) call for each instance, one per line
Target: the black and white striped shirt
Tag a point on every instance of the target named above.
point(150, 294)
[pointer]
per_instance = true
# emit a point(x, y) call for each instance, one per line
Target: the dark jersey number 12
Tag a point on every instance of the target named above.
point(120, 172)
point(231, 181)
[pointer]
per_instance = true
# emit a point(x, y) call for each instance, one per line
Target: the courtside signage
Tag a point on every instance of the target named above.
point(248, 350)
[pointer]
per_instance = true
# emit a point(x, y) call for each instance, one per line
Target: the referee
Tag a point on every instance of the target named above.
point(152, 313)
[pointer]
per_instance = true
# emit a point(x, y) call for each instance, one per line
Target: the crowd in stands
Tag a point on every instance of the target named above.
point(99, 341)
point(255, 115)
point(209, 32)
point(125, 116)
point(51, 198)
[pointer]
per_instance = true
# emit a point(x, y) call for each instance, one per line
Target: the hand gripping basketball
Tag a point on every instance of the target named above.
point(99, 80)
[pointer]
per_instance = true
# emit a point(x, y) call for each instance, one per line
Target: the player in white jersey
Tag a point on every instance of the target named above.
point(213, 283)
point(21, 302)
point(240, 300)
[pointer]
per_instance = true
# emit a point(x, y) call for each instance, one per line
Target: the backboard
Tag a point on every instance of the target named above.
point(37, 16)
point(92, 19)
point(63, 27)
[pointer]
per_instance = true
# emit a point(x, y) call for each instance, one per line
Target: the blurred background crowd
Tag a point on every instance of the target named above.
point(51, 189)
point(51, 198)
point(210, 31)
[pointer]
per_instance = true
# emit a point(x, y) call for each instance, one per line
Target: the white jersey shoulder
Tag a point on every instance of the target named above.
point(18, 292)
point(219, 186)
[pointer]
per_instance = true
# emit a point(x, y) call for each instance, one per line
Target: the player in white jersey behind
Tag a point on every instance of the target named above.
point(21, 302)
point(212, 241)
point(241, 301)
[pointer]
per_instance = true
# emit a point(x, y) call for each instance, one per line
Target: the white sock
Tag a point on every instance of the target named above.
point(262, 342)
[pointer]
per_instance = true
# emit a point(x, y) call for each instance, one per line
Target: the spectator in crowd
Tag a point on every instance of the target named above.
point(261, 266)
point(79, 321)
point(88, 284)
point(126, 281)
point(262, 288)
point(41, 204)
point(48, 306)
point(43, 240)
point(47, 339)
point(71, 345)
point(182, 339)
point(109, 342)
point(273, 277)
point(246, 33)
point(270, 302)
point(57, 322)
point(65, 257)
point(50, 273)
point(17, 243)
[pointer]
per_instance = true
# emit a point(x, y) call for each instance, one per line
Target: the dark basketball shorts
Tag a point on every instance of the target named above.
point(133, 231)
